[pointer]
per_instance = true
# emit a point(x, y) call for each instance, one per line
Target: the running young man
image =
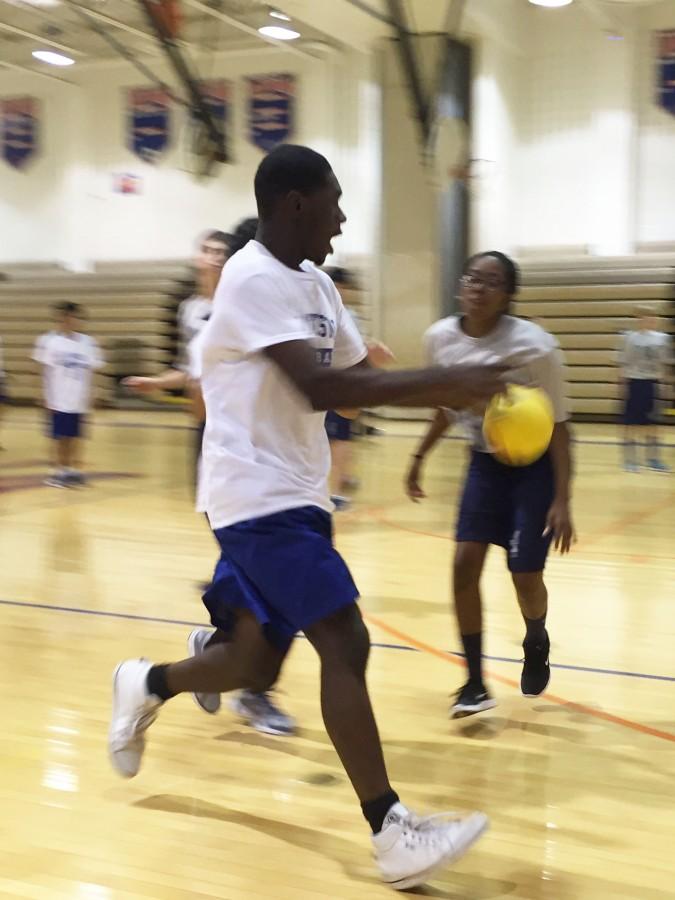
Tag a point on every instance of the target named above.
point(521, 509)
point(278, 351)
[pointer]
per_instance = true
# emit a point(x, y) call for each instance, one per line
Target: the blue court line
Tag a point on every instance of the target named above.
point(405, 647)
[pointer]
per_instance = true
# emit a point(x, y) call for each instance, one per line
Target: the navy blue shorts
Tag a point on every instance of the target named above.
point(507, 506)
point(3, 391)
point(66, 425)
point(640, 401)
point(284, 569)
point(338, 428)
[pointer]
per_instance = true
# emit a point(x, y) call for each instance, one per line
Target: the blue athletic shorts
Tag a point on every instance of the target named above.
point(284, 569)
point(640, 401)
point(338, 428)
point(507, 506)
point(66, 425)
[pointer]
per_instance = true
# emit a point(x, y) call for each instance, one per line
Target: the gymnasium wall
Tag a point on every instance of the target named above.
point(583, 156)
point(63, 207)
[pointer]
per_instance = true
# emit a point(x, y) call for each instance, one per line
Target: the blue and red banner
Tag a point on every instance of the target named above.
point(19, 130)
point(665, 52)
point(148, 122)
point(271, 110)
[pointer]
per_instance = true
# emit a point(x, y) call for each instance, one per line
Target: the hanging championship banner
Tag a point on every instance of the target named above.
point(20, 129)
point(271, 110)
point(665, 68)
point(148, 122)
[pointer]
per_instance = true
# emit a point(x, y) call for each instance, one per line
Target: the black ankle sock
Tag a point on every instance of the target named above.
point(473, 650)
point(376, 810)
point(536, 630)
point(156, 683)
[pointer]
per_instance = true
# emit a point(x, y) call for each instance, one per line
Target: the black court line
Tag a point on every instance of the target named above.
point(162, 621)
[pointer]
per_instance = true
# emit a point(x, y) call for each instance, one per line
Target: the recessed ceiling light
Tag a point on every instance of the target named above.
point(54, 59)
point(279, 33)
point(551, 3)
point(277, 14)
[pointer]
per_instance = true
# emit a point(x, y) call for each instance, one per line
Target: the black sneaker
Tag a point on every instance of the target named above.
point(536, 670)
point(472, 698)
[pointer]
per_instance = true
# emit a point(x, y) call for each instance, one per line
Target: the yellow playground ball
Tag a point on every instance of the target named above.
point(518, 425)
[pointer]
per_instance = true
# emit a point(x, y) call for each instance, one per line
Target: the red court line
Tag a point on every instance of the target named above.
point(561, 701)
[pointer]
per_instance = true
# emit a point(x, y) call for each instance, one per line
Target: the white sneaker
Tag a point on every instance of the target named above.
point(133, 711)
point(210, 703)
point(410, 848)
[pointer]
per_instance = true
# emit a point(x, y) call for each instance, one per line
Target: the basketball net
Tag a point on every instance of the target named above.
point(449, 160)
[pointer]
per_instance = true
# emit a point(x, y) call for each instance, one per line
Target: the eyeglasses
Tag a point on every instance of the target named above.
point(473, 280)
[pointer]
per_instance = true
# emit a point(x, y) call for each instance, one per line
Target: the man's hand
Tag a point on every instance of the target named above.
point(379, 355)
point(140, 385)
point(559, 523)
point(474, 386)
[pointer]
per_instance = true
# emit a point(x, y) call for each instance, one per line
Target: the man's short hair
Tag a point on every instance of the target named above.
point(287, 168)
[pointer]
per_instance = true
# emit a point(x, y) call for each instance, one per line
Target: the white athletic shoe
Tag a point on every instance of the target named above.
point(210, 703)
point(133, 711)
point(409, 849)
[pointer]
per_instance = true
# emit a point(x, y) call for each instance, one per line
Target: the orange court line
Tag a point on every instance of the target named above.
point(612, 529)
point(561, 701)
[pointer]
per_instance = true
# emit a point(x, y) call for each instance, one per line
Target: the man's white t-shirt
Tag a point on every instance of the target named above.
point(69, 361)
point(532, 354)
point(265, 450)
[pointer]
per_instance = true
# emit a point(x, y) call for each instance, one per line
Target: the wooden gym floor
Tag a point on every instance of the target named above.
point(580, 783)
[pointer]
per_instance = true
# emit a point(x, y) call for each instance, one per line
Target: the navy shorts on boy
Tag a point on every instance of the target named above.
point(640, 401)
point(66, 425)
point(338, 428)
point(507, 506)
point(284, 569)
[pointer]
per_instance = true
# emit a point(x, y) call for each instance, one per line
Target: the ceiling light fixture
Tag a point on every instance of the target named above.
point(279, 33)
point(277, 14)
point(53, 58)
point(551, 4)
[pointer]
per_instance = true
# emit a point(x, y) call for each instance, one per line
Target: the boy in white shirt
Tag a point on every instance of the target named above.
point(69, 359)
point(257, 708)
point(644, 356)
point(277, 353)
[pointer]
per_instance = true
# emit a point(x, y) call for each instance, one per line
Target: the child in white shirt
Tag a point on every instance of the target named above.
point(69, 359)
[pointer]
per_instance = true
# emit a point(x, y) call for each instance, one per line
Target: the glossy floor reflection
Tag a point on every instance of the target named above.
point(579, 784)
